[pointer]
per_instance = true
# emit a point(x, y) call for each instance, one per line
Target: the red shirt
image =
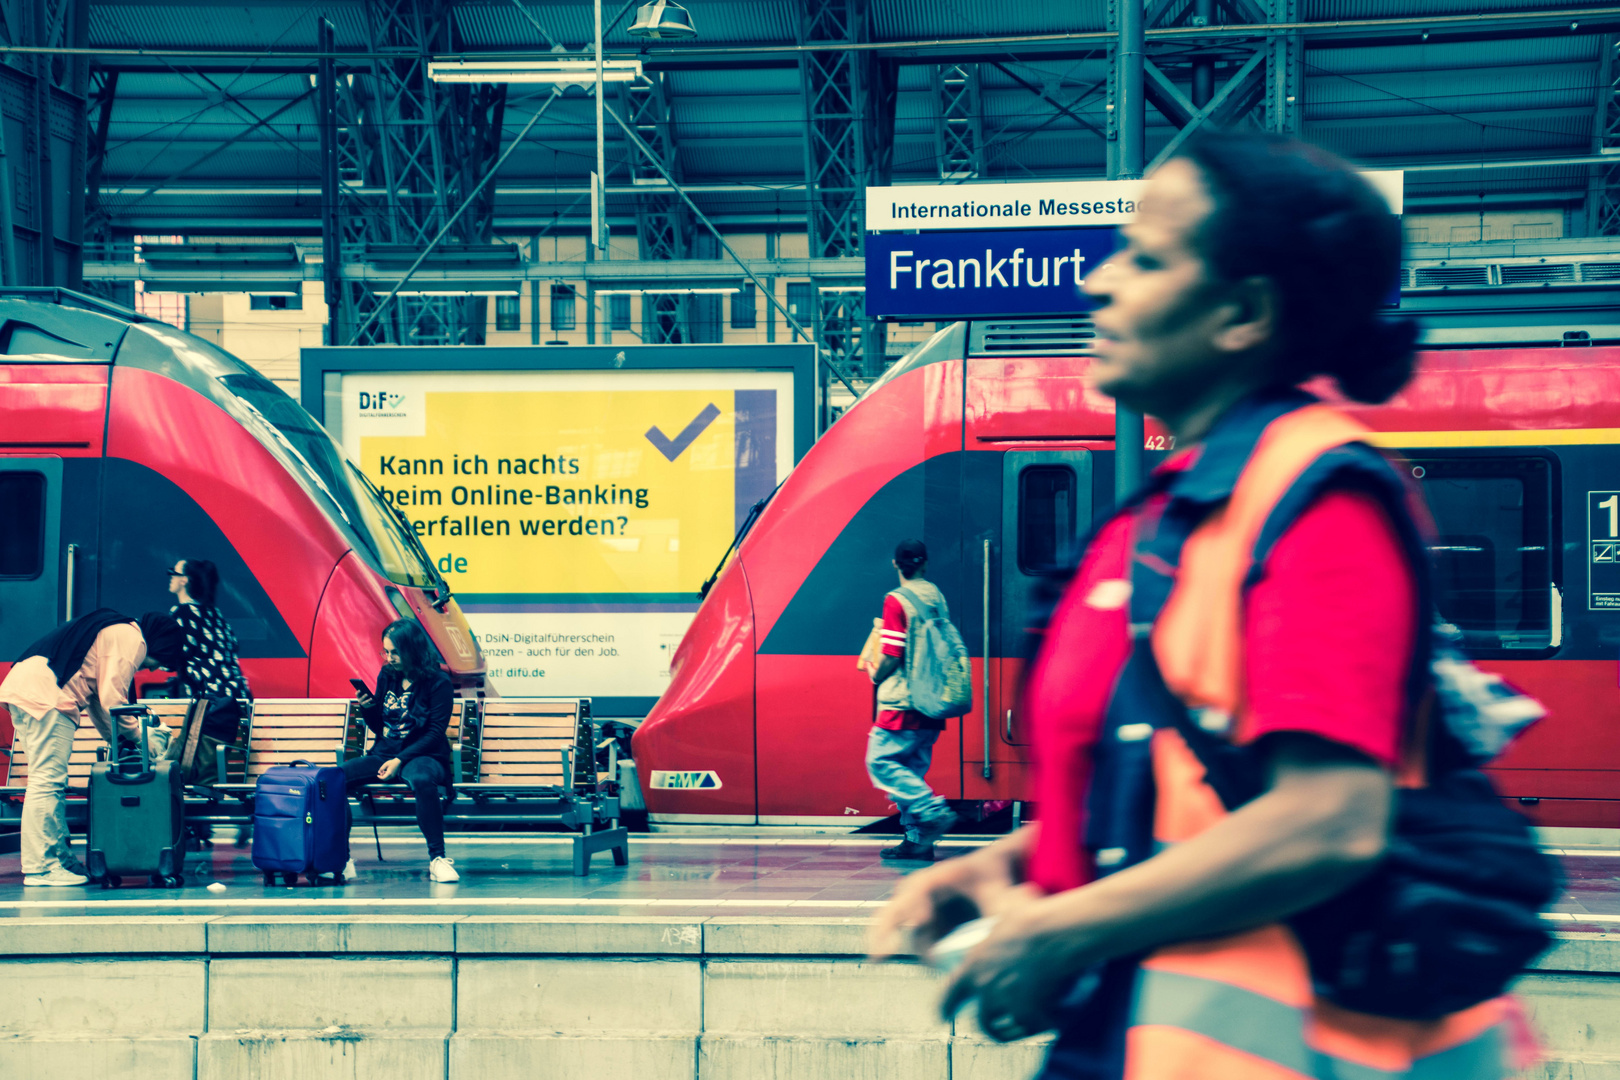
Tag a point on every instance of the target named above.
point(1328, 634)
point(893, 637)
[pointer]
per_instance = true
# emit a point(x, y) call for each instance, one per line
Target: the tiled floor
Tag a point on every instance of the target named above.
point(725, 873)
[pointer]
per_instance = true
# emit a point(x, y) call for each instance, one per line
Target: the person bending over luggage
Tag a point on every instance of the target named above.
point(211, 669)
point(86, 664)
point(901, 745)
point(408, 717)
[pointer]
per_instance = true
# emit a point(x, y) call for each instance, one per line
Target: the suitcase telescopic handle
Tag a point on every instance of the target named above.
point(144, 715)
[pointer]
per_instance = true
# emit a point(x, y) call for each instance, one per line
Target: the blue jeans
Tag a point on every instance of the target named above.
point(897, 761)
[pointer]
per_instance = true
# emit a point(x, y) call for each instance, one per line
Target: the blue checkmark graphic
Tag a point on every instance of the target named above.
point(674, 448)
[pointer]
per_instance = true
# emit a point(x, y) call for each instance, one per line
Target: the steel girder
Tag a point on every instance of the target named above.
point(663, 223)
point(43, 142)
point(1261, 86)
point(959, 122)
point(849, 98)
point(424, 147)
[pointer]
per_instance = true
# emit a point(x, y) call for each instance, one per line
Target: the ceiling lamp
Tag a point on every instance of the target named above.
point(662, 19)
point(532, 71)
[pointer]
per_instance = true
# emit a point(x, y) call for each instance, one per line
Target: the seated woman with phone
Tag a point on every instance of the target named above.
point(408, 715)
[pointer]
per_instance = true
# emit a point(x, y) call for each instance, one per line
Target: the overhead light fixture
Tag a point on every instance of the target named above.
point(666, 292)
point(532, 71)
point(662, 19)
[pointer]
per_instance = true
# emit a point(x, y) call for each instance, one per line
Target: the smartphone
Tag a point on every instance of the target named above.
point(361, 687)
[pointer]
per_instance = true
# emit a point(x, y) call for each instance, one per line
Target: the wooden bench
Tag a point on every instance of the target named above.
point(519, 761)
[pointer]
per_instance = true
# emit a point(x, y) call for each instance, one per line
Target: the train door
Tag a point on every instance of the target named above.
point(1045, 504)
point(33, 568)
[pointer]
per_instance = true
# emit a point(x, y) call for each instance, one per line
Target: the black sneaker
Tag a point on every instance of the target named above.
point(909, 851)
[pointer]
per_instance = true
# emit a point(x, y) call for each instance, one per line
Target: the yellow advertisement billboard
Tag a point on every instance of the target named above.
point(575, 514)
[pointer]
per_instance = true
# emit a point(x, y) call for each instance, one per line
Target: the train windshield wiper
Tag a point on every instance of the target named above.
point(742, 531)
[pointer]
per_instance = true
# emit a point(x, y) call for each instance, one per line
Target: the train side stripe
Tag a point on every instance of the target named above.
point(1552, 437)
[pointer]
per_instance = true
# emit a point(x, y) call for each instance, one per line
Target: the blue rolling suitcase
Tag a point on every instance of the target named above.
point(300, 823)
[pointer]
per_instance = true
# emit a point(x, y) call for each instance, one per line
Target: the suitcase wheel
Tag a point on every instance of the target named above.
point(269, 877)
point(337, 878)
point(289, 879)
point(111, 881)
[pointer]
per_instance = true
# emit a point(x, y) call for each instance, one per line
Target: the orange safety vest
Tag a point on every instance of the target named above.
point(1241, 1007)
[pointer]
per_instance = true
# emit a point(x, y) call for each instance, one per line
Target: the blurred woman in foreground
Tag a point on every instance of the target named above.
point(1253, 264)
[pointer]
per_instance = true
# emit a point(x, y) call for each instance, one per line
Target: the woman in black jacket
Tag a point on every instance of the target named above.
point(408, 717)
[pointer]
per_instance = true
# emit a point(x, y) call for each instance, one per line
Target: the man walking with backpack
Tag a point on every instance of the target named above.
point(921, 680)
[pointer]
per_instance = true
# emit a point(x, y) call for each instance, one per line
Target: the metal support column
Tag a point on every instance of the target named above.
point(849, 99)
point(959, 124)
point(1129, 104)
point(1603, 185)
point(331, 245)
point(1283, 100)
point(663, 225)
point(425, 148)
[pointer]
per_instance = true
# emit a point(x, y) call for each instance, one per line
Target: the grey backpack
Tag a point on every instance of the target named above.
point(937, 667)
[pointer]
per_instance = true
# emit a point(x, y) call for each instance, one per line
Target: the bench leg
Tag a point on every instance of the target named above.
point(615, 840)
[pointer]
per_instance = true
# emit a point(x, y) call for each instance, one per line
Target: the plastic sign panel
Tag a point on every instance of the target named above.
point(575, 514)
point(953, 251)
point(1046, 204)
point(945, 275)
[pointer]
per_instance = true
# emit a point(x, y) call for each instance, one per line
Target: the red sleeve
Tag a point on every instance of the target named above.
point(1329, 629)
point(894, 626)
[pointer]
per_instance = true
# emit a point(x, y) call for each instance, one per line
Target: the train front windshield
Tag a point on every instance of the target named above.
point(291, 434)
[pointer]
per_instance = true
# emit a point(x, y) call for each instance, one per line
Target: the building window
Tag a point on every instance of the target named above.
point(744, 307)
point(1046, 518)
point(1493, 552)
point(508, 313)
point(276, 303)
point(162, 306)
point(799, 295)
point(618, 311)
point(22, 524)
point(562, 307)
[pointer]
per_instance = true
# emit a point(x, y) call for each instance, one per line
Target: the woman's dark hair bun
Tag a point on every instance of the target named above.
point(1375, 366)
point(1328, 243)
point(202, 581)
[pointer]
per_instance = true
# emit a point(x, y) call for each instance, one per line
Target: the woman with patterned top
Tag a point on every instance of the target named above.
point(211, 669)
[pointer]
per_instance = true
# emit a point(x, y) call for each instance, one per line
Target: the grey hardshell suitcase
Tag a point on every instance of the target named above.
point(137, 812)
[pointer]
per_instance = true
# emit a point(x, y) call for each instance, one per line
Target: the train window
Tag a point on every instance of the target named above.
point(1492, 551)
point(508, 313)
point(306, 450)
point(22, 524)
point(1046, 518)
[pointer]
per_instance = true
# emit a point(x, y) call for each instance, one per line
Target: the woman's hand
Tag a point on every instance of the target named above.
point(363, 698)
point(1018, 974)
point(931, 903)
point(389, 769)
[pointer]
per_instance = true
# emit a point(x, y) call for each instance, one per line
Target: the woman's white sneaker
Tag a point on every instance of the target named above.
point(443, 870)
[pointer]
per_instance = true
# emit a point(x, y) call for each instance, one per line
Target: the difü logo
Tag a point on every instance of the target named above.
point(374, 401)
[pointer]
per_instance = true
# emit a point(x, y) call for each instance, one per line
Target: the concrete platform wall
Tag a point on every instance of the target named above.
point(492, 998)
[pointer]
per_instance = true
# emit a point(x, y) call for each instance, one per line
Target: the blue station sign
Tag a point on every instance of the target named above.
point(955, 275)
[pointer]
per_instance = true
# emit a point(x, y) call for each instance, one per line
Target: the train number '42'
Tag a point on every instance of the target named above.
point(1159, 442)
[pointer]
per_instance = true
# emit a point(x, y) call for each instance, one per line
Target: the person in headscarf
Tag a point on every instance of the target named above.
point(85, 665)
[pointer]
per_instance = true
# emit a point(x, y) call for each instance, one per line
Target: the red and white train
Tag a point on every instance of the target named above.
point(989, 444)
point(126, 444)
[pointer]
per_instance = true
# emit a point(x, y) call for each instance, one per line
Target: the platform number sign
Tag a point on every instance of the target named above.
point(1603, 549)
